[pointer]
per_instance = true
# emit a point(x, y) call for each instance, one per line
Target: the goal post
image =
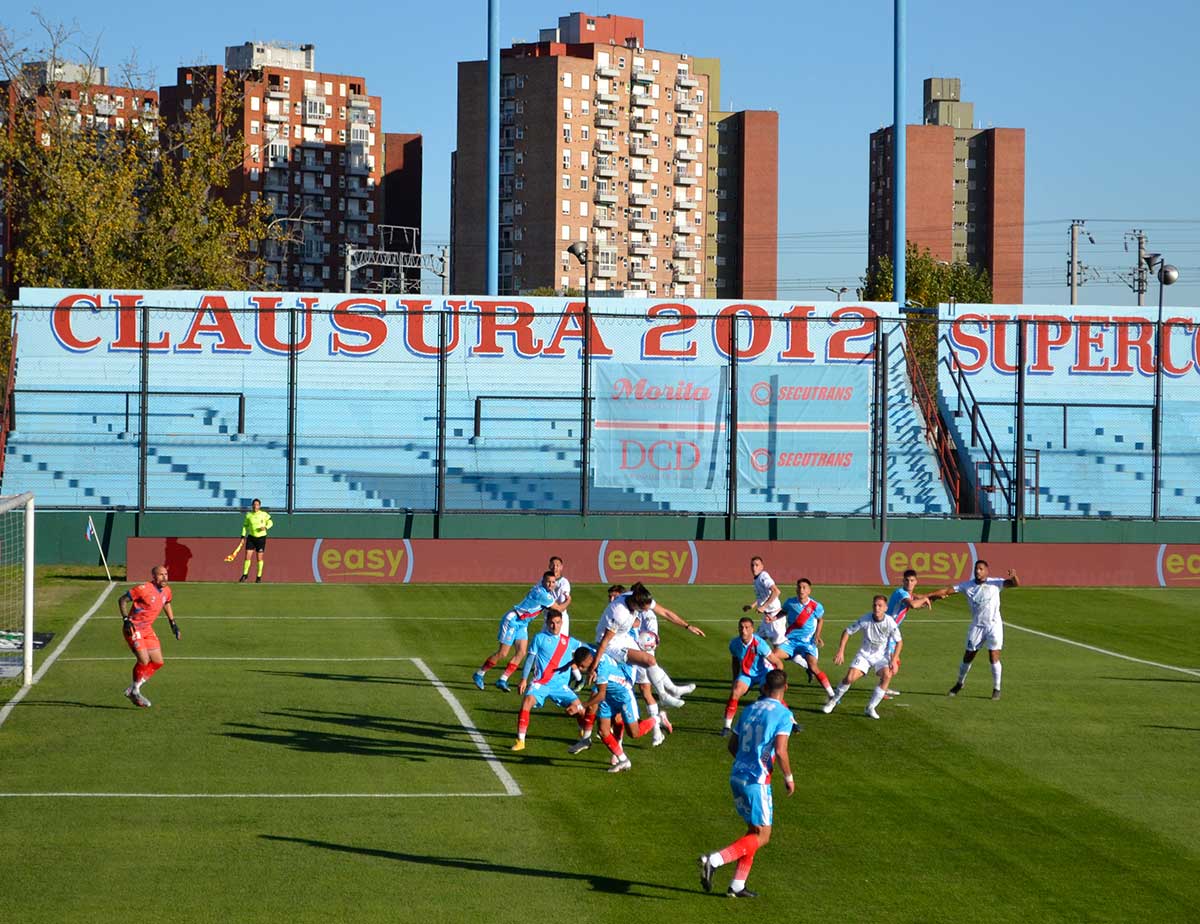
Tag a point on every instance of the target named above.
point(16, 587)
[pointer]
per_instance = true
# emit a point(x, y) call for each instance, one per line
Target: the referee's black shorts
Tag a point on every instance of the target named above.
point(256, 543)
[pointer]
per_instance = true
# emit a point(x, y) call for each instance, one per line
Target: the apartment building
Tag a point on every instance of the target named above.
point(606, 142)
point(965, 190)
point(86, 99)
point(314, 151)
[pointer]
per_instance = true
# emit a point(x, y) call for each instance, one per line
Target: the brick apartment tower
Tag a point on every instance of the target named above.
point(965, 191)
point(87, 98)
point(604, 141)
point(314, 151)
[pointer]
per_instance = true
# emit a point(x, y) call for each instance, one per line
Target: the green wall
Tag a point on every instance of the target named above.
point(60, 534)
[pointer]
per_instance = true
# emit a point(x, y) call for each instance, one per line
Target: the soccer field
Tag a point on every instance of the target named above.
point(319, 753)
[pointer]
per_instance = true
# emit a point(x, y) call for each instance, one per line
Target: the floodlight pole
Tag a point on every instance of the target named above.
point(899, 159)
point(585, 444)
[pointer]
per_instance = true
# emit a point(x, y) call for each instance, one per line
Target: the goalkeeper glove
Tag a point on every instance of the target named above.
point(129, 630)
point(175, 629)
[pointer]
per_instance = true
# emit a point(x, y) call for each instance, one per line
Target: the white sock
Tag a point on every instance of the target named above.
point(729, 723)
point(654, 710)
point(841, 691)
point(714, 860)
point(737, 885)
point(996, 676)
point(876, 697)
point(137, 686)
point(658, 677)
point(962, 671)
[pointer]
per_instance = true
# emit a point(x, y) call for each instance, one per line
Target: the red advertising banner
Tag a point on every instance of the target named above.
point(654, 561)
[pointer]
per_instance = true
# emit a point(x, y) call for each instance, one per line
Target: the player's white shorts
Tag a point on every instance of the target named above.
point(991, 636)
point(619, 647)
point(640, 675)
point(773, 627)
point(869, 662)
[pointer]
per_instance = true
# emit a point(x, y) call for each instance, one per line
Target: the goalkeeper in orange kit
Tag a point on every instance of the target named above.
point(255, 525)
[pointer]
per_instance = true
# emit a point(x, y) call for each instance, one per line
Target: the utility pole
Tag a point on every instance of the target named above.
point(1073, 265)
point(1140, 279)
point(444, 272)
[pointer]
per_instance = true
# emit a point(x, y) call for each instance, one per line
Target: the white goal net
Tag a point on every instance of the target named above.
point(16, 589)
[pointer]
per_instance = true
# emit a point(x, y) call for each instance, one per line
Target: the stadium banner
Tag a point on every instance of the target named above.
point(1070, 350)
point(653, 561)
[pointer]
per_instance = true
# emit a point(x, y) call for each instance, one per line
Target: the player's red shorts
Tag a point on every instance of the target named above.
point(148, 642)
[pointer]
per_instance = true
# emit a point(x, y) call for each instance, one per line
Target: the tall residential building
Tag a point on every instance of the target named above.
point(314, 151)
point(86, 99)
point(625, 148)
point(965, 190)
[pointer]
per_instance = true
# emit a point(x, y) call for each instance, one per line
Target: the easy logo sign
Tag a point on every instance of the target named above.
point(373, 561)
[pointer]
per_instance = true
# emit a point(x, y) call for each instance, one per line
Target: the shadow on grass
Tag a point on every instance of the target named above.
point(395, 737)
point(1173, 728)
point(72, 703)
point(610, 885)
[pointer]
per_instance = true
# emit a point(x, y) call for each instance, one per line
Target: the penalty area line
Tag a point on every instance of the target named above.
point(1105, 651)
point(53, 656)
point(256, 795)
point(510, 785)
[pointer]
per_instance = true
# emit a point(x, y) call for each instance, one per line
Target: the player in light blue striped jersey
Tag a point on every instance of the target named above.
point(761, 738)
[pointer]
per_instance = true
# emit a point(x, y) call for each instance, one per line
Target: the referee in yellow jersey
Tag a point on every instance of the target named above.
point(254, 533)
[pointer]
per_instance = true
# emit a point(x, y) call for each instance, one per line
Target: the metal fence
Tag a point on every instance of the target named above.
point(461, 406)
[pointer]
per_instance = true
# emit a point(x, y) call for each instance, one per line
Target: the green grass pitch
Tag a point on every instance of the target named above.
point(1074, 798)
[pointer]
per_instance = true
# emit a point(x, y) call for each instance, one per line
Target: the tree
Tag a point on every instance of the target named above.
point(928, 282)
point(91, 202)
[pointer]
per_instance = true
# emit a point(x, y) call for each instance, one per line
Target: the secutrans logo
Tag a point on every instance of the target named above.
point(935, 563)
point(623, 562)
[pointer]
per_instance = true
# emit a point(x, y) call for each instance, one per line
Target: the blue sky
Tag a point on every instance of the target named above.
point(1105, 92)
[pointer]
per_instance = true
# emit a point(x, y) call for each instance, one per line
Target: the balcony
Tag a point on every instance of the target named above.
point(641, 224)
point(685, 155)
point(685, 205)
point(277, 93)
point(641, 75)
point(686, 81)
point(640, 125)
point(639, 199)
point(640, 150)
point(358, 99)
point(684, 276)
point(683, 230)
point(360, 169)
point(608, 72)
point(359, 192)
point(604, 222)
point(682, 104)
point(604, 197)
point(606, 118)
point(604, 96)
point(640, 175)
point(605, 271)
point(683, 179)
point(276, 181)
point(276, 117)
point(642, 275)
point(684, 252)
point(314, 165)
point(686, 131)
point(606, 170)
point(641, 248)
point(606, 146)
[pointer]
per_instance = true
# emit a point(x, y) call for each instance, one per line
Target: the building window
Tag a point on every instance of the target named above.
point(566, 181)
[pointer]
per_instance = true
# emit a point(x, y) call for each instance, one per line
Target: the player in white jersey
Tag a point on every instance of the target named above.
point(766, 602)
point(646, 633)
point(879, 630)
point(987, 628)
point(562, 594)
point(615, 637)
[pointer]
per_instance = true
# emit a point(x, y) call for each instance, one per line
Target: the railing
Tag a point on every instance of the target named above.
point(935, 427)
point(131, 407)
point(1001, 479)
point(1064, 405)
point(522, 399)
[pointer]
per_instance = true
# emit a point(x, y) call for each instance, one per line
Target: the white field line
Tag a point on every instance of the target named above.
point(247, 658)
point(510, 785)
point(62, 646)
point(254, 795)
point(1105, 651)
